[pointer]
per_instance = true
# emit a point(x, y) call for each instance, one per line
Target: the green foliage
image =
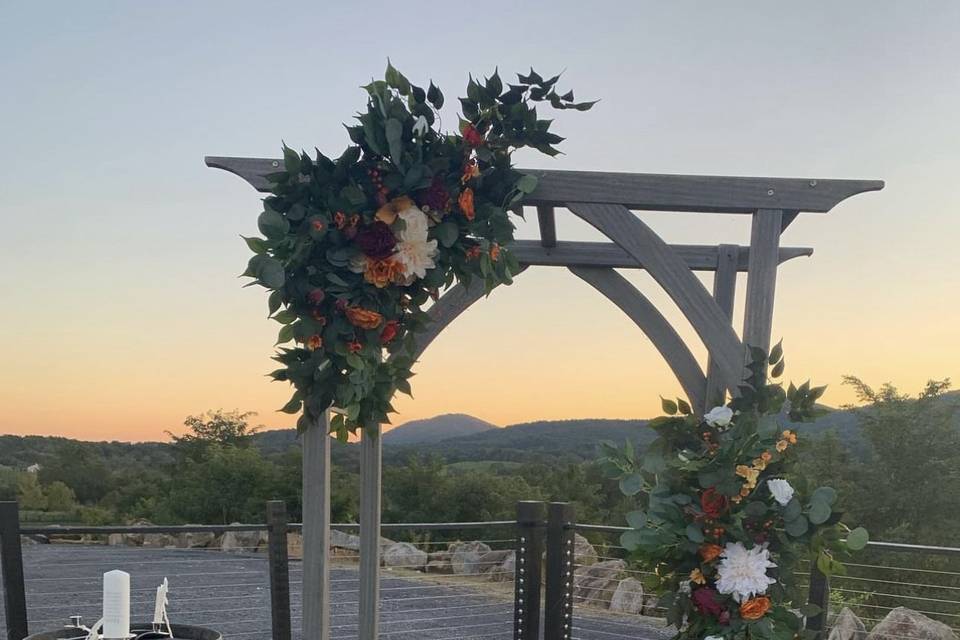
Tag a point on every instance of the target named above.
point(718, 483)
point(353, 248)
point(214, 428)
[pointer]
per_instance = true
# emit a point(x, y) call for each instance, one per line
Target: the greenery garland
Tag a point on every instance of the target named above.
point(722, 519)
point(354, 248)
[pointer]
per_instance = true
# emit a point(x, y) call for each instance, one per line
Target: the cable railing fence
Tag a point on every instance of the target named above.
point(542, 575)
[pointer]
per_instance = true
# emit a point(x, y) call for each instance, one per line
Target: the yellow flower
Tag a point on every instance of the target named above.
point(750, 474)
point(696, 577)
point(759, 463)
point(790, 437)
point(782, 445)
point(388, 212)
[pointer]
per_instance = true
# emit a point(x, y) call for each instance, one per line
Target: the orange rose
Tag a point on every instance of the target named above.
point(709, 551)
point(755, 608)
point(495, 252)
point(380, 273)
point(388, 212)
point(470, 170)
point(466, 203)
point(363, 318)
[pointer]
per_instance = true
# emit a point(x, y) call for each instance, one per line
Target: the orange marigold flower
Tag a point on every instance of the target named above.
point(380, 273)
point(354, 346)
point(363, 318)
point(390, 331)
point(314, 342)
point(470, 170)
point(710, 551)
point(495, 252)
point(388, 212)
point(755, 608)
point(466, 203)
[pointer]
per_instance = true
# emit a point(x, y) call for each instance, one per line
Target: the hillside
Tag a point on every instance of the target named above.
point(436, 429)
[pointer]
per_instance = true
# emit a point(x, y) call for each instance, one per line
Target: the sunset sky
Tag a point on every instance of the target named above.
point(120, 250)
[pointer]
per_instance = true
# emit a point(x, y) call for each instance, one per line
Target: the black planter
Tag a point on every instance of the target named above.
point(180, 632)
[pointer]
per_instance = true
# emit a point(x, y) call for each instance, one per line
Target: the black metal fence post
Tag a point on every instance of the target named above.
point(558, 608)
point(529, 570)
point(279, 569)
point(819, 595)
point(11, 560)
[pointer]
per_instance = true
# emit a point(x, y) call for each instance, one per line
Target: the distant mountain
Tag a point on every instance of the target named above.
point(436, 429)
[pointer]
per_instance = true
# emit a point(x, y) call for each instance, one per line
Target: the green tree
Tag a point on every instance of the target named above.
point(8, 483)
point(81, 468)
point(60, 497)
point(223, 428)
point(908, 487)
point(30, 493)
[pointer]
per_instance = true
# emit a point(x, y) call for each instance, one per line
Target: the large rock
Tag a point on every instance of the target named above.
point(491, 563)
point(595, 584)
point(628, 597)
point(847, 626)
point(583, 551)
point(342, 540)
point(294, 545)
point(196, 539)
point(439, 566)
point(504, 572)
point(902, 623)
point(248, 541)
point(159, 540)
point(465, 557)
point(651, 606)
point(404, 555)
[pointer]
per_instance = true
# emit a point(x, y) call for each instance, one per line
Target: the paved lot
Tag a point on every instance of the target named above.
point(229, 592)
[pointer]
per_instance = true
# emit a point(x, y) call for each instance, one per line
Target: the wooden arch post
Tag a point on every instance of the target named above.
point(607, 201)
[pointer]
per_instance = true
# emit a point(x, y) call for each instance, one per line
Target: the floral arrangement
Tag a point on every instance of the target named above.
point(354, 248)
point(723, 522)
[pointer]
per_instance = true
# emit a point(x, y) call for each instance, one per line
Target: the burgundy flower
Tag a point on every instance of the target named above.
point(436, 196)
point(713, 503)
point(316, 296)
point(377, 240)
point(705, 599)
point(471, 136)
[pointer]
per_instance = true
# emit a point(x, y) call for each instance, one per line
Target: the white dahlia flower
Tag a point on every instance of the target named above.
point(416, 256)
point(414, 225)
point(781, 490)
point(719, 416)
point(742, 572)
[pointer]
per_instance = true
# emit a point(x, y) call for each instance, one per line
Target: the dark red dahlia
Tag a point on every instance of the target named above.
point(436, 196)
point(705, 599)
point(377, 240)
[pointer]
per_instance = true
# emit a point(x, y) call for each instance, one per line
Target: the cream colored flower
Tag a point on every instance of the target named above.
point(416, 256)
point(719, 416)
point(415, 225)
point(781, 490)
point(742, 572)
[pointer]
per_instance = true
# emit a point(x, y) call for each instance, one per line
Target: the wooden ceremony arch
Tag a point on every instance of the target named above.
point(607, 202)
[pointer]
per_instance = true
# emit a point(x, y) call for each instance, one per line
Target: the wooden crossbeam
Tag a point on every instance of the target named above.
point(608, 254)
point(644, 191)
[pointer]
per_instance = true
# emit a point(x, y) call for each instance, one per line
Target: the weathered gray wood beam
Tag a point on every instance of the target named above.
point(788, 217)
point(548, 226)
point(762, 277)
point(650, 191)
point(608, 254)
point(724, 292)
point(371, 454)
point(315, 442)
point(669, 270)
point(664, 337)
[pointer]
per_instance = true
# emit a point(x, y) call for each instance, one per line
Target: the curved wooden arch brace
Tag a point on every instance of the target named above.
point(668, 342)
point(448, 308)
point(640, 241)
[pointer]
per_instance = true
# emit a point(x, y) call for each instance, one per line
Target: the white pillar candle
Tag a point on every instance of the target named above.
point(160, 605)
point(116, 605)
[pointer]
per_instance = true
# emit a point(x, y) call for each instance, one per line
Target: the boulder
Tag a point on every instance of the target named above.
point(341, 540)
point(491, 563)
point(847, 626)
point(248, 541)
point(903, 623)
point(595, 584)
point(404, 555)
point(650, 607)
point(504, 572)
point(583, 551)
point(159, 540)
point(465, 557)
point(628, 597)
point(439, 566)
point(196, 539)
point(294, 545)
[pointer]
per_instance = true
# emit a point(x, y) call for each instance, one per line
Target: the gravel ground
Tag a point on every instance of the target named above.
point(229, 592)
